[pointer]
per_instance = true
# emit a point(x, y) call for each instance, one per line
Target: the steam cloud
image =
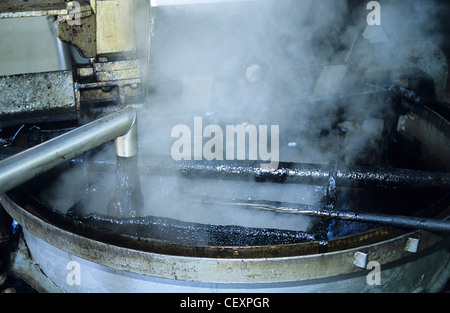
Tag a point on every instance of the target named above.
point(258, 62)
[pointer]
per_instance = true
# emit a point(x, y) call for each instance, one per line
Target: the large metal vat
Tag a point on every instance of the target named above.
point(408, 261)
point(290, 77)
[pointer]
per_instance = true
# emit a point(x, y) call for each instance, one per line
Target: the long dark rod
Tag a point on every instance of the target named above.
point(295, 208)
point(316, 174)
point(289, 173)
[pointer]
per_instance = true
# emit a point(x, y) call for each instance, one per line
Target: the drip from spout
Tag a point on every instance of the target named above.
point(128, 199)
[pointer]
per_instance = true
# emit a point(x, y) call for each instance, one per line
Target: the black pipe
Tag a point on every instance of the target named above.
point(291, 173)
point(313, 174)
point(295, 208)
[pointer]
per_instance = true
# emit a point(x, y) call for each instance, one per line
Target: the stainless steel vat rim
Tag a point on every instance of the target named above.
point(220, 270)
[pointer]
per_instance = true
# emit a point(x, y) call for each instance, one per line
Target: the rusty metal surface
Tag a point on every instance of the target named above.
point(37, 96)
point(118, 70)
point(19, 8)
point(82, 36)
point(30, 8)
point(105, 27)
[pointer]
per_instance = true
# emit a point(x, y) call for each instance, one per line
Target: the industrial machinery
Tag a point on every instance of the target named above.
point(229, 145)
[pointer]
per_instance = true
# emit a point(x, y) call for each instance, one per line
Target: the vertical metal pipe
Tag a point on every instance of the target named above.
point(30, 163)
point(127, 145)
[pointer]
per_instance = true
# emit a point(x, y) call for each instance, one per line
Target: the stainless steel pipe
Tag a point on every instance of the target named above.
point(126, 145)
point(120, 125)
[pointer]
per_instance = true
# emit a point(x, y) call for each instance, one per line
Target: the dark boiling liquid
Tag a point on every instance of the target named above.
point(195, 233)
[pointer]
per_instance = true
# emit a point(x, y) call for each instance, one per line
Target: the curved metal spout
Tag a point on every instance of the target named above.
point(30, 163)
point(126, 145)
